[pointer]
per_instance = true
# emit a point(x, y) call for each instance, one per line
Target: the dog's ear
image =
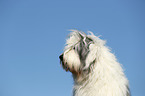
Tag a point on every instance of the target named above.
point(83, 47)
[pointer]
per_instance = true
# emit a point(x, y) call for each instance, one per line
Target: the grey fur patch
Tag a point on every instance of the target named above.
point(82, 48)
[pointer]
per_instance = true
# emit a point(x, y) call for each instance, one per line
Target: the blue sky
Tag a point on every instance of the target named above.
point(33, 32)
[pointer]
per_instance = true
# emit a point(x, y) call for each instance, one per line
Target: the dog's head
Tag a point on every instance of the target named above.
point(80, 52)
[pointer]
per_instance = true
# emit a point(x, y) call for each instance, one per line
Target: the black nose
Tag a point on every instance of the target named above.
point(61, 57)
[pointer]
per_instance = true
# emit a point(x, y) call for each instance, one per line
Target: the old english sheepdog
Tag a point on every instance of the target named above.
point(95, 69)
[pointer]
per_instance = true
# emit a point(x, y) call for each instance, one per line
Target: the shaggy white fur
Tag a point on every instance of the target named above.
point(95, 69)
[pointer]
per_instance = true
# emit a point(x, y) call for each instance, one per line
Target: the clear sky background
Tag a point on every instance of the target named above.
point(33, 32)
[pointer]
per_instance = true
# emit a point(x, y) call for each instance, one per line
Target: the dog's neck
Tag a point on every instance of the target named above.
point(80, 77)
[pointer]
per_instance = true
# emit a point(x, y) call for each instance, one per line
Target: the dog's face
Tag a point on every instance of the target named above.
point(79, 54)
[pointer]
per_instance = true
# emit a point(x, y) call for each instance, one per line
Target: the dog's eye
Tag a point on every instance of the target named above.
point(74, 48)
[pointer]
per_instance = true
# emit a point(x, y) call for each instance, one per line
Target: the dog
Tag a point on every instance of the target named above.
point(95, 70)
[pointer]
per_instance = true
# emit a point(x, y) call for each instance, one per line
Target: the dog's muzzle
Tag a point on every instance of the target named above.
point(61, 62)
